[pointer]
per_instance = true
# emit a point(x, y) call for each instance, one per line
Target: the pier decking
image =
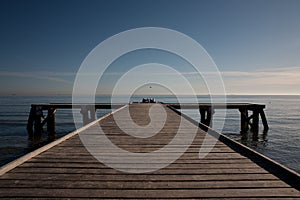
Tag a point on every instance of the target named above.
point(65, 169)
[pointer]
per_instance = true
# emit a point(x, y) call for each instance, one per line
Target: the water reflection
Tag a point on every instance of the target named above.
point(38, 139)
point(254, 140)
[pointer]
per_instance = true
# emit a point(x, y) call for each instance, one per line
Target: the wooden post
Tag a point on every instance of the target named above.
point(255, 121)
point(206, 115)
point(244, 120)
point(209, 117)
point(37, 119)
point(264, 120)
point(85, 115)
point(51, 121)
point(203, 115)
point(92, 113)
point(30, 122)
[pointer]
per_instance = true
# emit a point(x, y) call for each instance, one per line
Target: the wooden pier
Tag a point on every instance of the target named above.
point(35, 122)
point(207, 111)
point(64, 169)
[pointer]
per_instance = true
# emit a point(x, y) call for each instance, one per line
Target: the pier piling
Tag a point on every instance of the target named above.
point(206, 114)
point(51, 120)
point(244, 120)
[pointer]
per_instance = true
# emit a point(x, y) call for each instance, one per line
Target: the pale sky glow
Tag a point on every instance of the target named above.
point(255, 44)
point(279, 81)
point(263, 82)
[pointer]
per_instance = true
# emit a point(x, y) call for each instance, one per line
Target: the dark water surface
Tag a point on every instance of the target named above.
point(281, 143)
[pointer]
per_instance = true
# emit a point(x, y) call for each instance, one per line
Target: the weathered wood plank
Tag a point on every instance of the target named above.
point(88, 160)
point(140, 177)
point(150, 193)
point(97, 165)
point(143, 184)
point(165, 171)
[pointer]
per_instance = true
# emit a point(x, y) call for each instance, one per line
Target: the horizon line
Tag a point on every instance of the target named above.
point(167, 94)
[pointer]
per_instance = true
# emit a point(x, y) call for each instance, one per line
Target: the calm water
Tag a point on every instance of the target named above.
point(282, 142)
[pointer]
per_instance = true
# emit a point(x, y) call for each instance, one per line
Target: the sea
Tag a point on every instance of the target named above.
point(281, 142)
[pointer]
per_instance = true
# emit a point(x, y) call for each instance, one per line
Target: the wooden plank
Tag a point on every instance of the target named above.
point(90, 160)
point(77, 170)
point(143, 184)
point(150, 193)
point(96, 165)
point(140, 177)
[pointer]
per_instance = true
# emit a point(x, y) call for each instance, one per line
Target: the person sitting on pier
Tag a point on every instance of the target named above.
point(148, 100)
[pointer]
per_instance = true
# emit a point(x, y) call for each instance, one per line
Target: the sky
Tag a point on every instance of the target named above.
point(254, 43)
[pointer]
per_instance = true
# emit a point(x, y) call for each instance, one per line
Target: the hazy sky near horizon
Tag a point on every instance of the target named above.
point(254, 43)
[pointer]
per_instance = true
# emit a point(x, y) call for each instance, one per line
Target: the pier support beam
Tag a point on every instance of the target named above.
point(30, 122)
point(244, 120)
point(88, 113)
point(264, 121)
point(34, 125)
point(92, 113)
point(38, 119)
point(254, 123)
point(51, 121)
point(206, 114)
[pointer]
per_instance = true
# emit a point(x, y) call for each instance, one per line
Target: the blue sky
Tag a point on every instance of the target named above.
point(255, 43)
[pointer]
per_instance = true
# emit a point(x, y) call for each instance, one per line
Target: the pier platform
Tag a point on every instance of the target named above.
point(64, 169)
